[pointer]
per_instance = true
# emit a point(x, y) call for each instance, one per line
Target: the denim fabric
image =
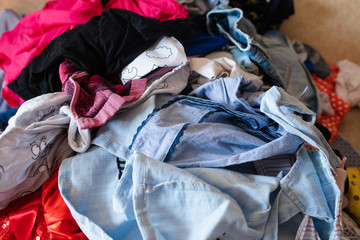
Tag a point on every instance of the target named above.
point(87, 183)
point(205, 203)
point(244, 61)
point(154, 200)
point(123, 126)
point(272, 51)
point(230, 23)
point(237, 93)
point(293, 72)
point(314, 170)
point(297, 119)
point(232, 137)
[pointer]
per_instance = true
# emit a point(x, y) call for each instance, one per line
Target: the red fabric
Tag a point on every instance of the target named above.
point(36, 30)
point(340, 107)
point(58, 219)
point(39, 215)
point(24, 219)
point(160, 9)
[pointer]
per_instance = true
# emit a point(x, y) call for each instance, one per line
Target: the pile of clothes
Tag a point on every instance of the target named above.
point(173, 120)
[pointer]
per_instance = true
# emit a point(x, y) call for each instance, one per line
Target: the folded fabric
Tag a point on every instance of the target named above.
point(137, 206)
point(37, 139)
point(236, 132)
point(272, 52)
point(103, 46)
point(95, 99)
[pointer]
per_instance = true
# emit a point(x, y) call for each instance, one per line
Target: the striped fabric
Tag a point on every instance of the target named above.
point(272, 166)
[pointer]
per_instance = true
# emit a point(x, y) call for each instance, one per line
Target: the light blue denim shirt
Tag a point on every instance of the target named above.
point(314, 174)
point(155, 200)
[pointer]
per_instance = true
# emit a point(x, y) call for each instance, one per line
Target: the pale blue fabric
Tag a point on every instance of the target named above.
point(237, 93)
point(155, 200)
point(293, 72)
point(313, 174)
point(297, 119)
point(87, 183)
point(122, 127)
point(196, 132)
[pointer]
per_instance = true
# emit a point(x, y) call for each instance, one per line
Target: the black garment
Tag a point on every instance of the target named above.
point(104, 2)
point(264, 14)
point(324, 131)
point(102, 46)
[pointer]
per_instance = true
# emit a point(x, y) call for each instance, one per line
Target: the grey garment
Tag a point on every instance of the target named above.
point(346, 149)
point(305, 52)
point(293, 72)
point(321, 67)
point(8, 20)
point(300, 50)
point(36, 141)
point(201, 7)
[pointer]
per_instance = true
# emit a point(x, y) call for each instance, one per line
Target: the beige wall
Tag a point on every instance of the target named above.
point(331, 26)
point(23, 6)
